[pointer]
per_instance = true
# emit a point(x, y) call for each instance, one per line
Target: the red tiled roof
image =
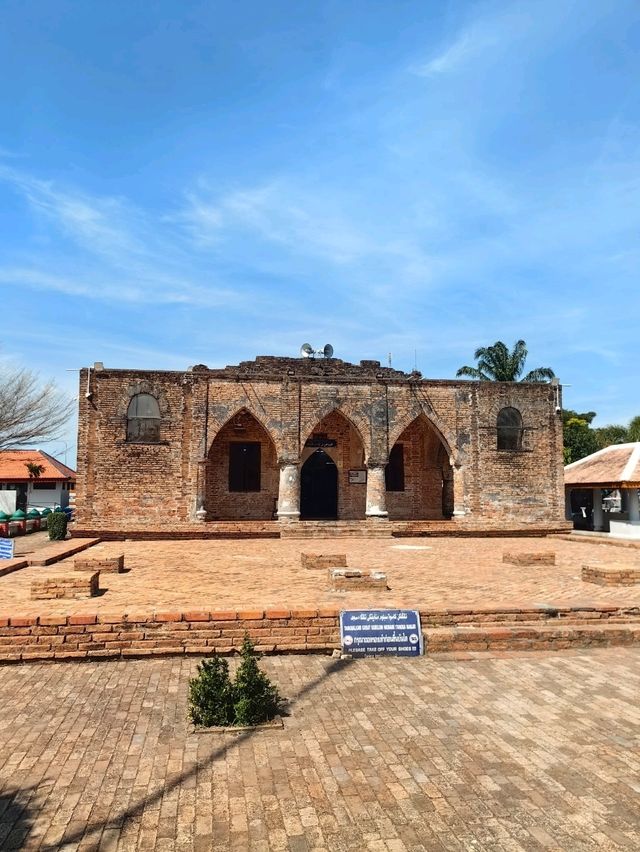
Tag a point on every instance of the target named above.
point(13, 466)
point(615, 466)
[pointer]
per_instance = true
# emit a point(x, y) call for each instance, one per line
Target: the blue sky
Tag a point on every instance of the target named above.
point(201, 182)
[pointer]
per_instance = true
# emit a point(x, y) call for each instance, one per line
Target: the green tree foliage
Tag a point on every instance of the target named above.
point(612, 434)
point(34, 469)
point(633, 432)
point(499, 364)
point(249, 700)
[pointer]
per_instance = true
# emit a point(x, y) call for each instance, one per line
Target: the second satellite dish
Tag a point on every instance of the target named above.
point(328, 351)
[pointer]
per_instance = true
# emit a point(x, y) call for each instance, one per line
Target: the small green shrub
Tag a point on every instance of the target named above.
point(249, 700)
point(211, 694)
point(57, 526)
point(256, 699)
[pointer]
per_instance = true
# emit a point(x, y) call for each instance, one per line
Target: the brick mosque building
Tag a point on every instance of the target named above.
point(275, 443)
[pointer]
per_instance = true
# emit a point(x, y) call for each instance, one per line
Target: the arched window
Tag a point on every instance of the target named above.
point(509, 429)
point(143, 418)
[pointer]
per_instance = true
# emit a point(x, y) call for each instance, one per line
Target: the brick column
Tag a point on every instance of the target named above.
point(200, 513)
point(376, 492)
point(458, 492)
point(289, 492)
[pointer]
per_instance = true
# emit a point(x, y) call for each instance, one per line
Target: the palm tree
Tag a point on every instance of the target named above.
point(497, 364)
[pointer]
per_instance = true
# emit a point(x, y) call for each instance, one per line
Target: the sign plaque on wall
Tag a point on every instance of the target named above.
point(357, 477)
point(6, 548)
point(378, 632)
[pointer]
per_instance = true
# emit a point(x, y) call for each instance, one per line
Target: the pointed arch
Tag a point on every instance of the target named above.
point(434, 422)
point(359, 424)
point(419, 476)
point(242, 472)
point(246, 410)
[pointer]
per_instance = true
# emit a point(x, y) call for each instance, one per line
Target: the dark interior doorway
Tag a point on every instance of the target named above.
point(319, 488)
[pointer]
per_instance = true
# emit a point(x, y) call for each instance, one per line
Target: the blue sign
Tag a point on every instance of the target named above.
point(376, 632)
point(6, 548)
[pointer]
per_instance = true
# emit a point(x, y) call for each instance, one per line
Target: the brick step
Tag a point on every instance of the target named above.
point(533, 617)
point(336, 529)
point(530, 637)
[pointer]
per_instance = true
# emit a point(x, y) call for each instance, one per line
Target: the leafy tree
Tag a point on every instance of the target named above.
point(34, 469)
point(30, 412)
point(499, 364)
point(570, 414)
point(580, 439)
point(612, 434)
point(633, 432)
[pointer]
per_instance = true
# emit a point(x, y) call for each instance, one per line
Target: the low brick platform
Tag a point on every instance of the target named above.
point(611, 575)
point(353, 579)
point(531, 557)
point(322, 561)
point(65, 586)
point(8, 566)
point(98, 636)
point(110, 564)
point(58, 550)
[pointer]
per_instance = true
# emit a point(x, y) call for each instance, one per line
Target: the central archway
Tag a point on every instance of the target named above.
point(319, 488)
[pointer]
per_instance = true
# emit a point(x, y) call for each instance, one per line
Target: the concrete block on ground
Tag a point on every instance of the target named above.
point(617, 574)
point(322, 561)
point(530, 557)
point(76, 585)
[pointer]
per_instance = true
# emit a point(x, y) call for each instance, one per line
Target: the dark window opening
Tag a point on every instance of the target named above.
point(509, 425)
point(394, 471)
point(43, 486)
point(244, 466)
point(143, 419)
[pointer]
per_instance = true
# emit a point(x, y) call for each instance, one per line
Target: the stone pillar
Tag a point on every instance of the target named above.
point(200, 513)
point(597, 509)
point(447, 494)
point(376, 492)
point(289, 492)
point(458, 492)
point(633, 505)
point(568, 514)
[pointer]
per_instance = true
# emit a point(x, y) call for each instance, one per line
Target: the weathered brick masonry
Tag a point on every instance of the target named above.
point(78, 637)
point(296, 409)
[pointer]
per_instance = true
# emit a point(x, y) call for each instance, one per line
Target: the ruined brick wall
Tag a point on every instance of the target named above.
point(134, 486)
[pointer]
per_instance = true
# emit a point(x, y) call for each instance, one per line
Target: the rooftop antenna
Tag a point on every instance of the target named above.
point(415, 360)
point(307, 351)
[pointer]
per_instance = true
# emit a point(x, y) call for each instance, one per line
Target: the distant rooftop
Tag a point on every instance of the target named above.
point(13, 466)
point(617, 466)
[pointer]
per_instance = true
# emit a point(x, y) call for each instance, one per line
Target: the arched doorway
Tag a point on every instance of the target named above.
point(242, 471)
point(319, 488)
point(419, 477)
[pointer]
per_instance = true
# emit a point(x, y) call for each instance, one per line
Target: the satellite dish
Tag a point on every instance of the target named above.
point(306, 350)
point(328, 351)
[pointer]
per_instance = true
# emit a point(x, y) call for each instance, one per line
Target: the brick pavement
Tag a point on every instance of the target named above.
point(530, 752)
point(246, 574)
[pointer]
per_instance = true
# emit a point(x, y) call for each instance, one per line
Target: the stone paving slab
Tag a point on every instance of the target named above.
point(499, 753)
point(436, 573)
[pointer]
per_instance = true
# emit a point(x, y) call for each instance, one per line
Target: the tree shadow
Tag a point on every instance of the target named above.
point(138, 807)
point(15, 818)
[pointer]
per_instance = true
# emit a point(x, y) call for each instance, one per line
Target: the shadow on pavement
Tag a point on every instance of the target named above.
point(15, 818)
point(136, 809)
